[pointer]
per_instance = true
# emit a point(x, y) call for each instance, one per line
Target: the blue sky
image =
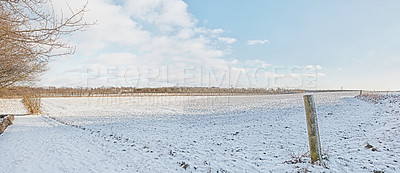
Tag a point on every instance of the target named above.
point(268, 44)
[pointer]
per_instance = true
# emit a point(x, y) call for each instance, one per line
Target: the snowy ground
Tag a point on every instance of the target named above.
point(201, 134)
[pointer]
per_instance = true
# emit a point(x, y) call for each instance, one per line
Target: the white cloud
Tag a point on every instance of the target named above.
point(118, 59)
point(254, 42)
point(166, 15)
point(313, 67)
point(153, 43)
point(145, 33)
point(307, 75)
point(257, 63)
point(227, 40)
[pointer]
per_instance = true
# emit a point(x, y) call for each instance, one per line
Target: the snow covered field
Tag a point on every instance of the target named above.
point(201, 134)
point(11, 106)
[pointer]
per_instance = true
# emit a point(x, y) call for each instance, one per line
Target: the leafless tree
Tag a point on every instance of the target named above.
point(31, 34)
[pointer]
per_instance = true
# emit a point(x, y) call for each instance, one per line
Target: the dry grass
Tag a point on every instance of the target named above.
point(32, 103)
point(297, 158)
point(374, 98)
point(305, 159)
point(5, 122)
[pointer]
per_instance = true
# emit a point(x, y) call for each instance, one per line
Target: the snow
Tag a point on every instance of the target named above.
point(201, 133)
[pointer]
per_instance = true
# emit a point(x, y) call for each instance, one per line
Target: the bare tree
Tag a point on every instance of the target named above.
point(30, 35)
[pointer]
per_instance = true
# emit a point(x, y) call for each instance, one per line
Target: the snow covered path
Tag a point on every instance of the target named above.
point(39, 144)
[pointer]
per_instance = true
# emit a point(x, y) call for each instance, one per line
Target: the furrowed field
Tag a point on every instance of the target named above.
point(202, 134)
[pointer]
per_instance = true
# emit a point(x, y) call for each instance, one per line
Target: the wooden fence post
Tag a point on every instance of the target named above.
point(312, 127)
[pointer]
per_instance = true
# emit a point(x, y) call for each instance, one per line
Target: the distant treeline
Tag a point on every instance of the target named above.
point(321, 91)
point(128, 91)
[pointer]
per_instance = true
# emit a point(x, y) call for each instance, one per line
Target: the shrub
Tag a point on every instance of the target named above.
point(32, 103)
